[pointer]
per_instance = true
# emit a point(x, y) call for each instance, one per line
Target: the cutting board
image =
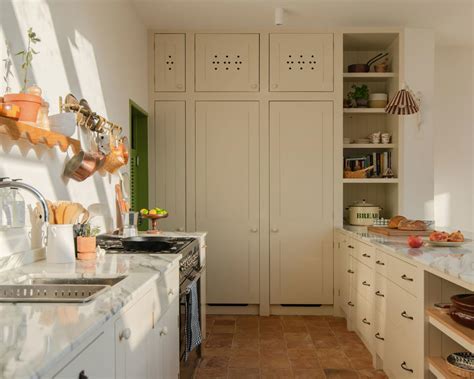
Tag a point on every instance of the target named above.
point(396, 232)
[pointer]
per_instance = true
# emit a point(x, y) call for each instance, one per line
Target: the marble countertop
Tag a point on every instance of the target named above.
point(455, 262)
point(35, 336)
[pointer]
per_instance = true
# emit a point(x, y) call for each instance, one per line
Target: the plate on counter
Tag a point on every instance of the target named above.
point(449, 243)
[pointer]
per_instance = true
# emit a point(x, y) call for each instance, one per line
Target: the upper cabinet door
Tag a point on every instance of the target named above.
point(227, 62)
point(170, 60)
point(301, 62)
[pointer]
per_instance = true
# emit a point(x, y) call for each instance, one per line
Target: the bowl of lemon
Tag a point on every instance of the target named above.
point(154, 214)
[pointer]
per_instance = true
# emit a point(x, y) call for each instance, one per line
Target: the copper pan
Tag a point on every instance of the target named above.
point(83, 164)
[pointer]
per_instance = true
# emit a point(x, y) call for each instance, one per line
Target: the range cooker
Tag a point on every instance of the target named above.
point(189, 273)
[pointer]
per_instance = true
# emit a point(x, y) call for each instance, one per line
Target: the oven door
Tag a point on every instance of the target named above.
point(188, 367)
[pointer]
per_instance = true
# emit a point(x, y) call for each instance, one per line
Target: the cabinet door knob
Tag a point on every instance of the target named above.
point(364, 320)
point(404, 277)
point(180, 229)
point(82, 375)
point(404, 314)
point(350, 303)
point(254, 86)
point(350, 271)
point(404, 366)
point(364, 283)
point(377, 335)
point(380, 263)
point(350, 246)
point(378, 293)
point(125, 334)
point(274, 85)
point(254, 230)
point(275, 230)
point(171, 292)
point(365, 255)
point(164, 331)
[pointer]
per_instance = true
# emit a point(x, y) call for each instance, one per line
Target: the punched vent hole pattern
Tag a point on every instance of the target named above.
point(169, 62)
point(301, 62)
point(226, 62)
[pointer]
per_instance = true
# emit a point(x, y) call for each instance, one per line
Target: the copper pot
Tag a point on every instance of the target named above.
point(83, 165)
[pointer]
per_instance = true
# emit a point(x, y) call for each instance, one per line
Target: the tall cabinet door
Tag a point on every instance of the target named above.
point(170, 55)
point(301, 202)
point(227, 198)
point(170, 165)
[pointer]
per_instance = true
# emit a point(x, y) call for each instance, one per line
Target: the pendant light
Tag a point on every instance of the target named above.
point(279, 15)
point(403, 103)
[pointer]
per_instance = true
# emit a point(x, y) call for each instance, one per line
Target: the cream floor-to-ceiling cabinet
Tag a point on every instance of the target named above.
point(227, 198)
point(301, 196)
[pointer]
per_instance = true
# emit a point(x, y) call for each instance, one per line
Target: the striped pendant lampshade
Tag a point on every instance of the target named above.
point(403, 103)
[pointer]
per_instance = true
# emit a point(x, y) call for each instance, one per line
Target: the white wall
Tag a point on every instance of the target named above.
point(94, 49)
point(453, 139)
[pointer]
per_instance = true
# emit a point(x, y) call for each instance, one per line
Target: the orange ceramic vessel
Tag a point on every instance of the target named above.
point(29, 105)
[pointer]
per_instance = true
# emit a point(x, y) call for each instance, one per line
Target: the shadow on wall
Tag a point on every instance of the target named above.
point(78, 54)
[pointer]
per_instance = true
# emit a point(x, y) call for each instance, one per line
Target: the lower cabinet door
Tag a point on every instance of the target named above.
point(365, 321)
point(95, 361)
point(133, 340)
point(165, 361)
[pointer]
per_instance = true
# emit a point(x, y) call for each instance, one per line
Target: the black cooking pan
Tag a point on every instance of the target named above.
point(147, 243)
point(365, 67)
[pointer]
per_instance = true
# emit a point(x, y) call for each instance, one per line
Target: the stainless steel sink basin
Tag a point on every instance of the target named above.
point(56, 290)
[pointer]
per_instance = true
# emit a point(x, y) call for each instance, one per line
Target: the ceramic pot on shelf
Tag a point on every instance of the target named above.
point(29, 105)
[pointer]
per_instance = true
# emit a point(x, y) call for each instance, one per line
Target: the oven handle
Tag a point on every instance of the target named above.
point(196, 277)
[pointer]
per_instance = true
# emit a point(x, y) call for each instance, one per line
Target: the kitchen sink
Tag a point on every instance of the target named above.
point(56, 290)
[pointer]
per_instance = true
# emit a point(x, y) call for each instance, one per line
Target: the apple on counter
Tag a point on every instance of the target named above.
point(415, 242)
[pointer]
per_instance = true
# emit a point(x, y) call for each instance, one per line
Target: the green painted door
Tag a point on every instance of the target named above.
point(139, 160)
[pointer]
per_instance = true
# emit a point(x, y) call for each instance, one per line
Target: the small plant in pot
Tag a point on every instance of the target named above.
point(86, 241)
point(359, 94)
point(29, 100)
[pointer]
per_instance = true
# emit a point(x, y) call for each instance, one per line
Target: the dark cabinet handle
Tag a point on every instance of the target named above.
point(365, 321)
point(350, 303)
point(404, 277)
point(364, 283)
point(404, 314)
point(380, 263)
point(350, 271)
point(366, 255)
point(404, 366)
point(82, 375)
point(350, 246)
point(377, 335)
point(378, 293)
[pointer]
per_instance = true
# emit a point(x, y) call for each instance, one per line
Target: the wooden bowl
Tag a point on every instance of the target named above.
point(464, 302)
point(155, 217)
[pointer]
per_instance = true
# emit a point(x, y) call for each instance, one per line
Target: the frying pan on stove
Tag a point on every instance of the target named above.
point(152, 244)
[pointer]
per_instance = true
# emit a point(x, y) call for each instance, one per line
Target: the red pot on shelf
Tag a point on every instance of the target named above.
point(29, 105)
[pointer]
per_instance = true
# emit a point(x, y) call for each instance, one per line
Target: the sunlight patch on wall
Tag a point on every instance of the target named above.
point(442, 211)
point(87, 72)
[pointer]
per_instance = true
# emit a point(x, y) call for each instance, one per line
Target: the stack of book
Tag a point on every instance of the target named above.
point(380, 161)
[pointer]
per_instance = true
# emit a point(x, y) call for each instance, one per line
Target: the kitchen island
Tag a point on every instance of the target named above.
point(387, 293)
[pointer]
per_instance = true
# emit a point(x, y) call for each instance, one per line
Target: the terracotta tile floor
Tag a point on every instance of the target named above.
point(283, 347)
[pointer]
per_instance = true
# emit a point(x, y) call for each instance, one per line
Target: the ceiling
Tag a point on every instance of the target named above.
point(452, 20)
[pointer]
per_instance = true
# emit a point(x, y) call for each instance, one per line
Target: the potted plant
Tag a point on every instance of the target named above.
point(28, 101)
point(359, 94)
point(86, 241)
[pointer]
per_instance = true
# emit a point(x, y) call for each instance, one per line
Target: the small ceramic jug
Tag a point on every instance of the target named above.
point(60, 244)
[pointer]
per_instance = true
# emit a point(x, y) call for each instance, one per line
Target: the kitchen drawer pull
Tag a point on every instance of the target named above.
point(351, 272)
point(125, 334)
point(377, 335)
point(365, 321)
point(404, 366)
point(82, 375)
point(404, 277)
point(350, 246)
point(350, 303)
point(380, 263)
point(171, 292)
point(378, 293)
point(365, 255)
point(404, 314)
point(364, 283)
point(164, 331)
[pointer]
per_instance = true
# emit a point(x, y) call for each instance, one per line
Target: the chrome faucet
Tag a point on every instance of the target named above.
point(34, 191)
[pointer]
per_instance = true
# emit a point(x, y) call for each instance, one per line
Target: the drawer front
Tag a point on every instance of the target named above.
point(365, 282)
point(407, 276)
point(366, 254)
point(380, 293)
point(381, 262)
point(379, 333)
point(351, 246)
point(364, 322)
point(167, 291)
point(404, 311)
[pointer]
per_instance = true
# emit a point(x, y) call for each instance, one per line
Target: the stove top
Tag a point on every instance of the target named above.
point(153, 245)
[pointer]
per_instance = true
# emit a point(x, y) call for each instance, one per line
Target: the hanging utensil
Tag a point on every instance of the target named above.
point(365, 67)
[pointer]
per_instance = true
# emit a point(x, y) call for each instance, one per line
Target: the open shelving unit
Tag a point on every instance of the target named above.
point(358, 123)
point(445, 324)
point(439, 368)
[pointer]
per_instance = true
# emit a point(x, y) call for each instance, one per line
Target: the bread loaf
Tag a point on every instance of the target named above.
point(394, 221)
point(415, 225)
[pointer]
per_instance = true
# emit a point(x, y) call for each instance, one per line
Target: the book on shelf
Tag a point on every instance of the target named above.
point(381, 162)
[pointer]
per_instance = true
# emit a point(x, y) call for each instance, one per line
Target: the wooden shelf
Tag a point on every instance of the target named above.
point(370, 146)
point(444, 323)
point(439, 368)
point(365, 110)
point(368, 76)
point(18, 130)
point(371, 180)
